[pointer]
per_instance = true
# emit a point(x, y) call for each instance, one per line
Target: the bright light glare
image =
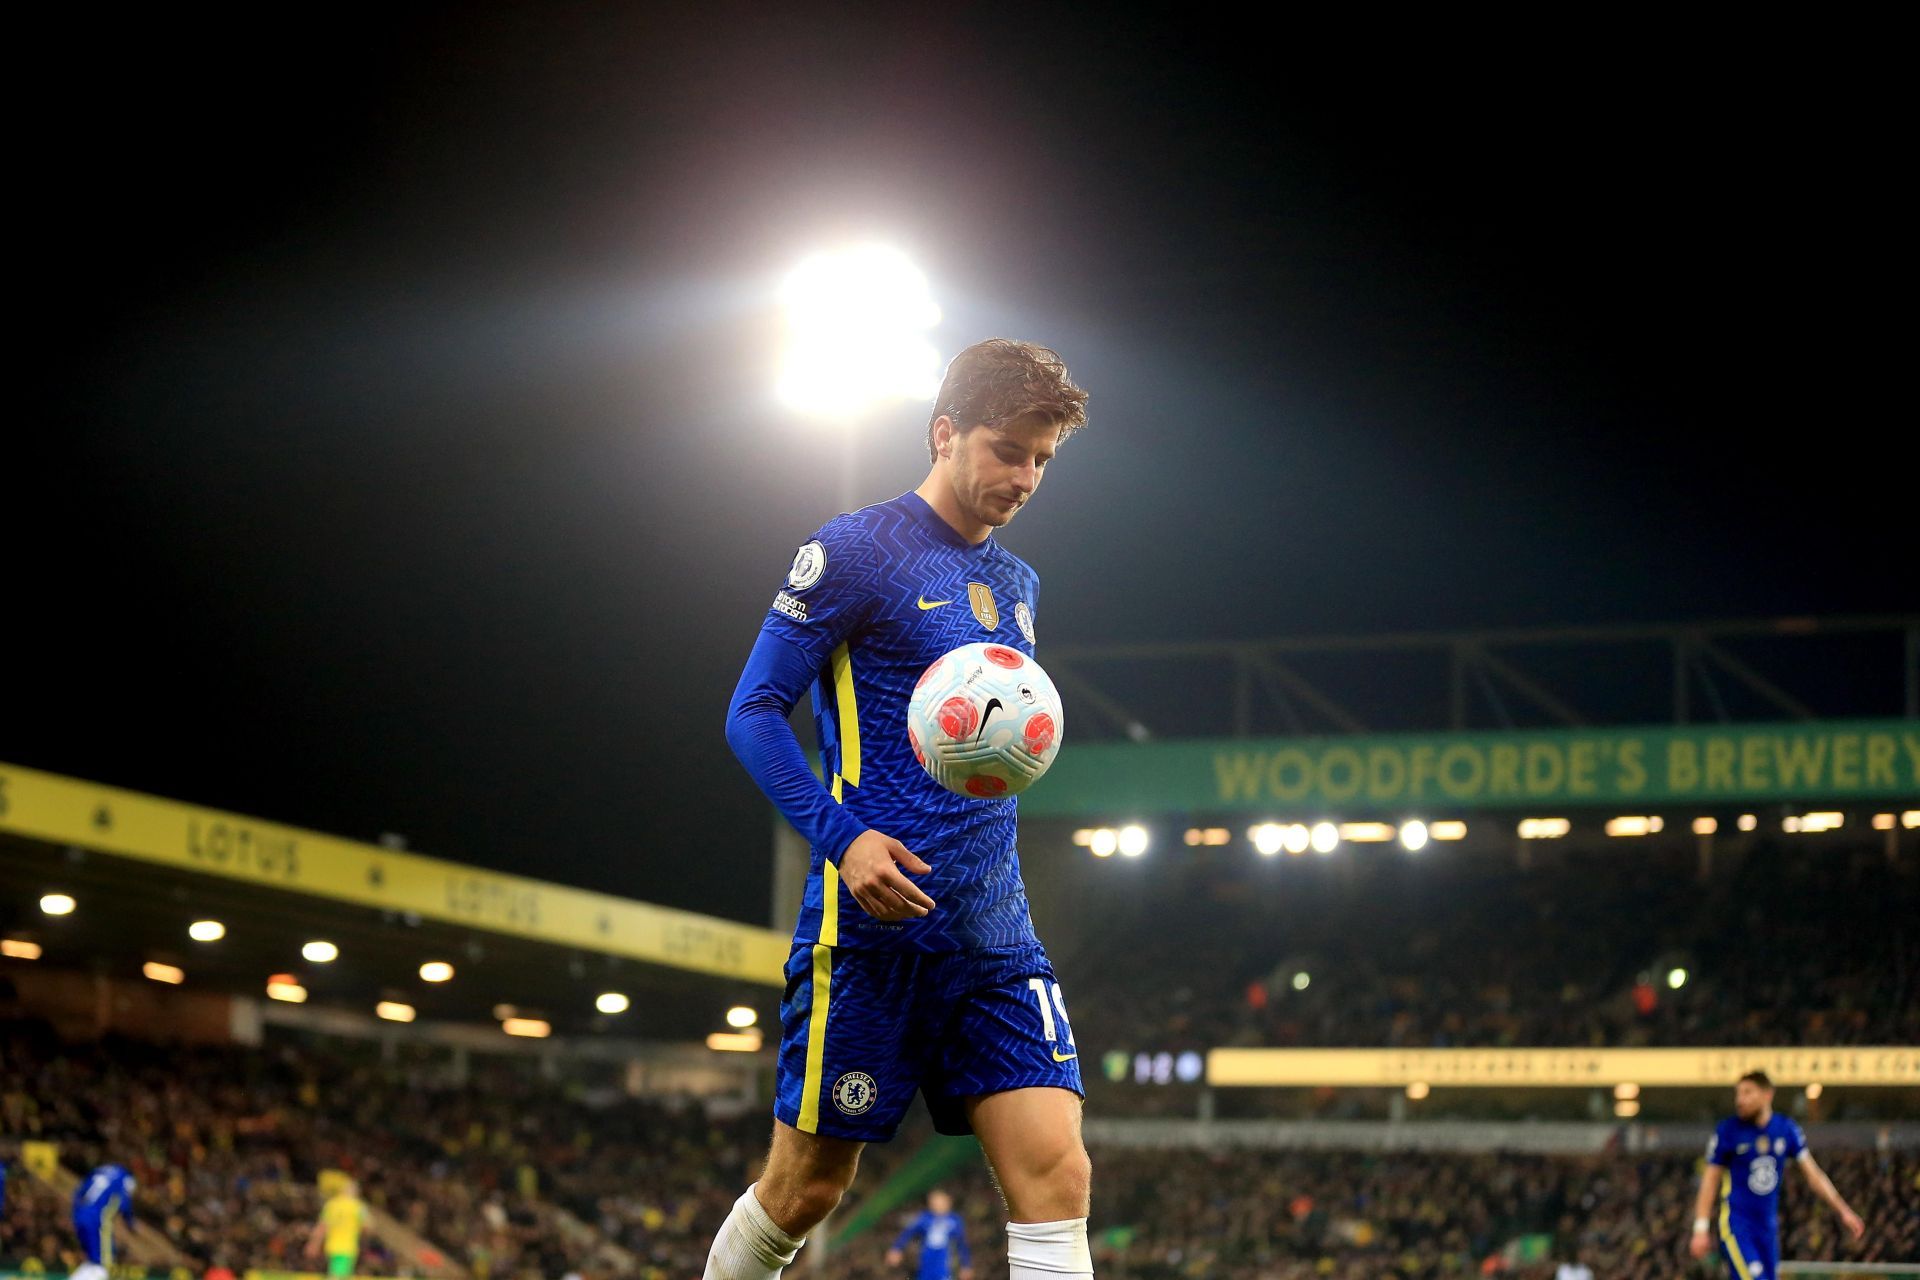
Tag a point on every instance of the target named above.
point(19, 949)
point(734, 1041)
point(1627, 1108)
point(172, 975)
point(1544, 828)
point(320, 952)
point(1705, 826)
point(1132, 841)
point(1325, 837)
point(57, 904)
point(1418, 1090)
point(612, 1002)
point(1413, 836)
point(856, 322)
point(532, 1028)
point(1814, 1091)
point(1104, 842)
point(1295, 838)
point(436, 971)
point(1366, 832)
point(1302, 980)
point(206, 931)
point(1450, 830)
point(394, 1011)
point(291, 992)
point(1623, 1092)
point(1676, 978)
point(1747, 822)
point(1267, 838)
point(742, 1016)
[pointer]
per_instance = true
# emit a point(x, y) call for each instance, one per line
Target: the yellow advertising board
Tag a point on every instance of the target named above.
point(1894, 1065)
point(45, 806)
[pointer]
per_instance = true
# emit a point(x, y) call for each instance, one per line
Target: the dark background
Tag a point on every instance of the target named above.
point(399, 451)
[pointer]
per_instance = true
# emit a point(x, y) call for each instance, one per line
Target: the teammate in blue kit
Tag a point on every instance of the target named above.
point(914, 968)
point(100, 1205)
point(1745, 1163)
point(942, 1234)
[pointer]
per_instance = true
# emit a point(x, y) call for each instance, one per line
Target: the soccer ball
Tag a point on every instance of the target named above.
point(985, 721)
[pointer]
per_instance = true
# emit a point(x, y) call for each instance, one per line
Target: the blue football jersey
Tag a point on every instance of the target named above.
point(1755, 1158)
point(873, 599)
point(941, 1236)
point(108, 1189)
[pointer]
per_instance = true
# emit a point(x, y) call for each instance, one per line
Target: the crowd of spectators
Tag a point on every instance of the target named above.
point(1785, 945)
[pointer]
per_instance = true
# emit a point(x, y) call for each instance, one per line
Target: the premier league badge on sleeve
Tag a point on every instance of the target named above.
point(809, 562)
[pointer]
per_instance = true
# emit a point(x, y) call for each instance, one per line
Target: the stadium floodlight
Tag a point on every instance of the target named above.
point(1543, 828)
point(283, 986)
point(1418, 1090)
point(530, 1028)
point(741, 1016)
point(1132, 840)
point(612, 1002)
point(1883, 822)
point(436, 971)
point(1267, 838)
point(1627, 1108)
point(1910, 819)
point(1413, 835)
point(1814, 1090)
point(1747, 822)
point(1676, 978)
point(1105, 840)
point(1630, 826)
point(1366, 832)
point(19, 949)
point(1295, 838)
point(1326, 837)
point(1302, 980)
point(734, 1041)
point(1621, 1092)
point(206, 931)
point(172, 975)
point(1705, 826)
point(1812, 822)
point(320, 951)
point(57, 904)
point(1449, 830)
point(856, 333)
point(395, 1011)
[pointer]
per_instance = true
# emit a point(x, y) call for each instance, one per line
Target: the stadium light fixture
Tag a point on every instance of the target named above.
point(1676, 978)
point(857, 321)
point(1624, 1092)
point(1814, 1090)
point(320, 951)
point(1627, 1108)
point(1452, 830)
point(529, 1028)
point(1295, 839)
point(741, 1016)
point(1544, 828)
point(1207, 836)
point(436, 971)
point(1083, 837)
point(206, 931)
point(1325, 837)
point(1810, 823)
point(57, 904)
point(1105, 840)
point(1132, 840)
point(1631, 826)
point(734, 1041)
point(1413, 835)
point(612, 1002)
point(1883, 822)
point(1418, 1090)
point(1910, 819)
point(1366, 832)
point(1747, 822)
point(1267, 838)
point(395, 1011)
point(1302, 980)
point(172, 975)
point(1705, 826)
point(19, 949)
point(285, 987)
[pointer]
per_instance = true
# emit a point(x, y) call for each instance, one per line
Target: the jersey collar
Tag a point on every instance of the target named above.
point(927, 516)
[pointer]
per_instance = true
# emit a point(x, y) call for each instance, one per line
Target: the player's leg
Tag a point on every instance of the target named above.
point(1010, 1073)
point(843, 1079)
point(1737, 1250)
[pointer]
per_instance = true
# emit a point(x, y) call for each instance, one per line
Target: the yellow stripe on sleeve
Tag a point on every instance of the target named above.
point(849, 716)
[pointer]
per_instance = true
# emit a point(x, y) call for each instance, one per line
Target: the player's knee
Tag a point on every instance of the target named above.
point(801, 1201)
point(816, 1197)
point(1058, 1182)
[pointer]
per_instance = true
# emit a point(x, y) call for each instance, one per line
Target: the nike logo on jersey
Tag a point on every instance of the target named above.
point(1065, 1057)
point(932, 604)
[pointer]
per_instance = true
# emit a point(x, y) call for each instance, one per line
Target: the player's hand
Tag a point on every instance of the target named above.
point(966, 1273)
point(871, 868)
point(1701, 1242)
point(1853, 1223)
point(895, 1257)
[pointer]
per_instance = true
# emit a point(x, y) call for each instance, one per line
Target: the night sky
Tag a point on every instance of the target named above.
point(400, 454)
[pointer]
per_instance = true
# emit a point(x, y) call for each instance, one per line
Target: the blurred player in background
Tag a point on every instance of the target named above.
point(342, 1218)
point(1744, 1170)
point(100, 1205)
point(942, 1234)
point(915, 968)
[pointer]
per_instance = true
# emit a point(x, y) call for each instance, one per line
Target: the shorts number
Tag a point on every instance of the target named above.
point(1040, 993)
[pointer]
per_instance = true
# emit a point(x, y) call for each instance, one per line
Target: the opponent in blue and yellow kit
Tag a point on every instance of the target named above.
point(959, 1003)
point(1755, 1157)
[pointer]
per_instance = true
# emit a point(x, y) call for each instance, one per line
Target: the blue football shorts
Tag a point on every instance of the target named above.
point(863, 1030)
point(1751, 1250)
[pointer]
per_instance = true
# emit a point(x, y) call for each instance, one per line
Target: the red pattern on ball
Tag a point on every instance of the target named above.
point(986, 786)
point(1039, 732)
point(930, 672)
point(1000, 656)
point(958, 717)
point(913, 736)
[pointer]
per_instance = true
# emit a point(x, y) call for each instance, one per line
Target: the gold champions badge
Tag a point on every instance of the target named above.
point(980, 596)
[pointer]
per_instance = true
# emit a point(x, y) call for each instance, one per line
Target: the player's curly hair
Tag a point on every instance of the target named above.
point(996, 381)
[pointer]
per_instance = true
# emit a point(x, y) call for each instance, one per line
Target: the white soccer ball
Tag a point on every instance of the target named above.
point(985, 721)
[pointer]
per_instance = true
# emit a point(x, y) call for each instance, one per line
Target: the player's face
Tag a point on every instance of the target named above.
point(996, 469)
point(1749, 1099)
point(940, 1202)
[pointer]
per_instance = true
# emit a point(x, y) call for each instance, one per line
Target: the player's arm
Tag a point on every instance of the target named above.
point(1824, 1188)
point(960, 1242)
point(897, 1251)
point(317, 1236)
point(1719, 1157)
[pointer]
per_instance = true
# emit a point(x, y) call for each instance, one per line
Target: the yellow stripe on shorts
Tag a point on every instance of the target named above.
point(1726, 1229)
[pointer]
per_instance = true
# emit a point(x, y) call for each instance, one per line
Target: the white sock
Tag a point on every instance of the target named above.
point(750, 1246)
point(1048, 1250)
